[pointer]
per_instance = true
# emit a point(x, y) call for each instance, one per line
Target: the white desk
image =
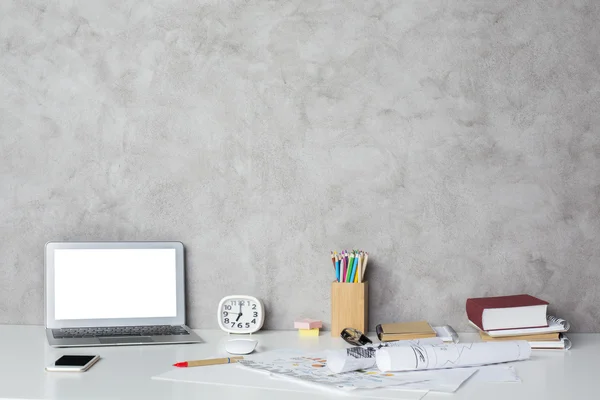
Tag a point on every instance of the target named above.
point(125, 372)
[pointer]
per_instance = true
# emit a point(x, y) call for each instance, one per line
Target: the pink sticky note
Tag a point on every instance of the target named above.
point(307, 323)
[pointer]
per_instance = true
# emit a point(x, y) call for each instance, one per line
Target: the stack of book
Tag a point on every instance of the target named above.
point(518, 317)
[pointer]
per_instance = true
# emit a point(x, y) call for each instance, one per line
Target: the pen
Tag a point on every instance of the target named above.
point(212, 361)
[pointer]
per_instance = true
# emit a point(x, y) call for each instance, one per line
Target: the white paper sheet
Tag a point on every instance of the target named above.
point(495, 373)
point(423, 357)
point(446, 380)
point(449, 380)
point(242, 377)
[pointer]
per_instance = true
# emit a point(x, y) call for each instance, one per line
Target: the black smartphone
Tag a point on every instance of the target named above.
point(73, 363)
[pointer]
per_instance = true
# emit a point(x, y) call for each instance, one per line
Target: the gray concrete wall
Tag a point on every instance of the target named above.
point(456, 141)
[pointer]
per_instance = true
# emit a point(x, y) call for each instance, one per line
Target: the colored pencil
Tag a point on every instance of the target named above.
point(357, 269)
point(360, 267)
point(354, 270)
point(349, 271)
point(350, 267)
point(343, 267)
point(365, 265)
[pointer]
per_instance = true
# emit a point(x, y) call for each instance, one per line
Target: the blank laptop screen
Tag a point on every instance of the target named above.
point(114, 283)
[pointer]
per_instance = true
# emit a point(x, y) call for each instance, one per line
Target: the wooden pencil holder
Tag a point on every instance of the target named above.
point(349, 307)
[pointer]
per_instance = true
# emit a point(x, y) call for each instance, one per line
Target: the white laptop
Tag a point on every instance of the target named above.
point(115, 293)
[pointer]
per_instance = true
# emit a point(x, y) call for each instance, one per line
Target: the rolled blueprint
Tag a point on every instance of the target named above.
point(363, 357)
point(420, 357)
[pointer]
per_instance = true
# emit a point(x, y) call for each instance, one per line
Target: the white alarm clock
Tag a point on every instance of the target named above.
point(240, 314)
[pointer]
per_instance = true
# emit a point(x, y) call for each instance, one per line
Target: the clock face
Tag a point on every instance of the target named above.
point(240, 314)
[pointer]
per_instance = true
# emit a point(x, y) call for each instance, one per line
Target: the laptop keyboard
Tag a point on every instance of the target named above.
point(152, 330)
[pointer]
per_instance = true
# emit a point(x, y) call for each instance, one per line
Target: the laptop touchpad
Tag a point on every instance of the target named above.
point(114, 340)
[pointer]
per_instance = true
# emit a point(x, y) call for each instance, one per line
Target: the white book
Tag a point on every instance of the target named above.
point(554, 325)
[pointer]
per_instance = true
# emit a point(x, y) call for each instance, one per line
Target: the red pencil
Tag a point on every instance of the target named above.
point(213, 361)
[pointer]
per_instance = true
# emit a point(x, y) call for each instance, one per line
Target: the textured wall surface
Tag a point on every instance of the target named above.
point(457, 141)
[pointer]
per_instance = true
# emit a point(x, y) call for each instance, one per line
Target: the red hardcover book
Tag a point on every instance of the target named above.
point(507, 312)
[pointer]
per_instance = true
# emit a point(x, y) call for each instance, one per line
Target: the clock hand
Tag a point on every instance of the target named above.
point(239, 315)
